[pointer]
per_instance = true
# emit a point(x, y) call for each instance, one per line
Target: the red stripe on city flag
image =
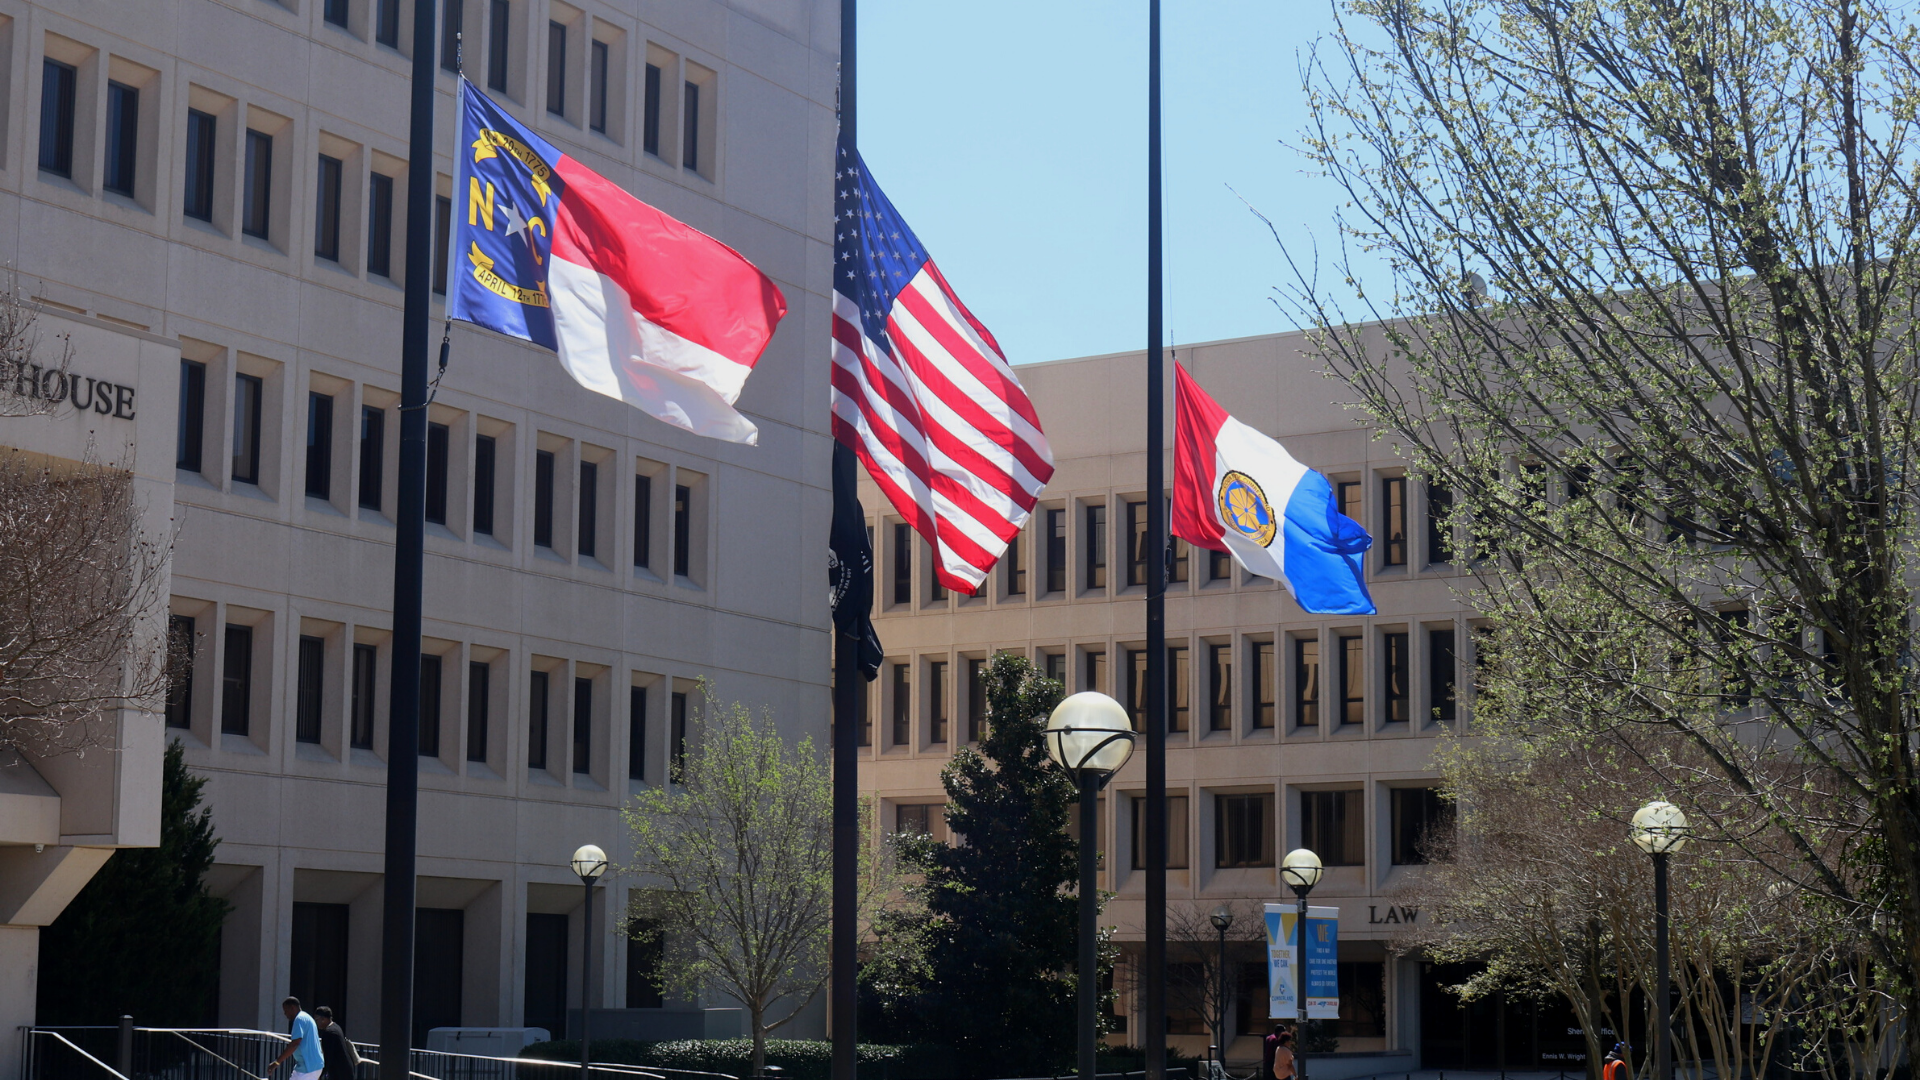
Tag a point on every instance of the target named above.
point(998, 380)
point(955, 398)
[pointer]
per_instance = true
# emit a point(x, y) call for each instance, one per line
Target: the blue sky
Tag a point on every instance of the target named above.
point(1012, 137)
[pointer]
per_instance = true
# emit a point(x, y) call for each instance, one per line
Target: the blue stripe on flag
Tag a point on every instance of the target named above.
point(1325, 552)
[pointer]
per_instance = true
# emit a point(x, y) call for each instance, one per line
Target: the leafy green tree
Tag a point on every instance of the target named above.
point(999, 929)
point(143, 937)
point(1651, 324)
point(740, 850)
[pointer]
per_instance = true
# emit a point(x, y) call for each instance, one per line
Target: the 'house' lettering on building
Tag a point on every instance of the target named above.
point(52, 385)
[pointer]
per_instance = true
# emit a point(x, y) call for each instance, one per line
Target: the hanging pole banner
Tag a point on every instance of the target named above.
point(1323, 962)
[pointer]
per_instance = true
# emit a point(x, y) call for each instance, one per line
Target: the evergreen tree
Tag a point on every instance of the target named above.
point(999, 926)
point(143, 937)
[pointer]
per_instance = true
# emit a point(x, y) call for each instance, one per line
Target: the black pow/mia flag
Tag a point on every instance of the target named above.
point(850, 564)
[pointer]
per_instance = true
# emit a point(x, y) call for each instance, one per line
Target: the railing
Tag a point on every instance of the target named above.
point(84, 1053)
point(53, 1055)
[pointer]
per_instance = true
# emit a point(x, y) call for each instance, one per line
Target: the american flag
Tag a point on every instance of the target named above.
point(921, 391)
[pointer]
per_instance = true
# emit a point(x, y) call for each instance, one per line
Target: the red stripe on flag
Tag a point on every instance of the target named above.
point(957, 399)
point(993, 373)
point(1196, 428)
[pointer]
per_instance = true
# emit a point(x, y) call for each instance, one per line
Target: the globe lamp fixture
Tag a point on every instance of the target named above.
point(1090, 733)
point(589, 862)
point(1301, 869)
point(1659, 828)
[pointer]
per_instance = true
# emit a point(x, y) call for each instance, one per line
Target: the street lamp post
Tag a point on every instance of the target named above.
point(1660, 829)
point(589, 862)
point(1301, 870)
point(1090, 736)
point(1222, 919)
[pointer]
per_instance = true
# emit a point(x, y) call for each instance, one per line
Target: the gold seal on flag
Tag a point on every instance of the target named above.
point(1244, 506)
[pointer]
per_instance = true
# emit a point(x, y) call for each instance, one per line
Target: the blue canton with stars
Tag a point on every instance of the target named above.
point(875, 255)
point(505, 197)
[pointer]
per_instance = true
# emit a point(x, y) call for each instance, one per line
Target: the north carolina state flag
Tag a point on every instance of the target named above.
point(639, 307)
point(1237, 491)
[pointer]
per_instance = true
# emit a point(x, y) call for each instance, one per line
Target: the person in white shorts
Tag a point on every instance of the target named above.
point(304, 1049)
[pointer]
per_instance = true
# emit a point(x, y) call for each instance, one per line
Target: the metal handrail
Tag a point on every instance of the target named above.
point(111, 1071)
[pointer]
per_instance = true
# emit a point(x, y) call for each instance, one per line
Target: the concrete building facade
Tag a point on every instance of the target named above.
point(1286, 730)
point(223, 181)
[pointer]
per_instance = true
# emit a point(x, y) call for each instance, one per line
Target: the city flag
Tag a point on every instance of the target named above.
point(922, 393)
point(638, 306)
point(1235, 490)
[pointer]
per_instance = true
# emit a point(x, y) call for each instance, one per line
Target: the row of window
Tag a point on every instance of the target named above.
point(335, 451)
point(905, 554)
point(561, 715)
point(343, 169)
point(1332, 695)
point(1245, 828)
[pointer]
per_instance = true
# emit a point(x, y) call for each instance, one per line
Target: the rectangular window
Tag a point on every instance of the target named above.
point(1136, 543)
point(1442, 675)
point(1220, 675)
point(556, 68)
point(642, 521)
point(499, 18)
point(180, 671)
point(682, 530)
point(307, 695)
point(320, 445)
point(257, 203)
point(597, 88)
point(1395, 676)
point(442, 221)
point(1219, 566)
point(582, 725)
point(336, 12)
point(902, 704)
point(690, 128)
point(1176, 832)
point(921, 819)
point(386, 23)
point(1439, 530)
point(1393, 521)
point(1348, 492)
point(636, 733)
point(1353, 680)
point(1263, 684)
point(365, 657)
point(1243, 830)
point(326, 211)
point(1096, 547)
point(645, 955)
point(191, 435)
point(1137, 687)
point(246, 429)
point(677, 734)
point(373, 439)
point(200, 150)
point(650, 117)
point(430, 668)
point(1419, 815)
point(1177, 566)
point(452, 18)
point(437, 449)
point(902, 564)
point(483, 457)
point(236, 684)
point(543, 498)
point(537, 693)
point(937, 701)
point(936, 590)
point(380, 225)
point(123, 138)
point(1056, 551)
point(976, 699)
point(1306, 682)
point(1094, 671)
point(57, 85)
point(1179, 688)
point(589, 507)
point(1332, 826)
point(1014, 568)
point(479, 704)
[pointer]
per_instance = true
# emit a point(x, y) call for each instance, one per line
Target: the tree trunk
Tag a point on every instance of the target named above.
point(758, 1017)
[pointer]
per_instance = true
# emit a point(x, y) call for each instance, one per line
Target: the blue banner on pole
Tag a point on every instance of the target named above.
point(1323, 965)
point(1322, 990)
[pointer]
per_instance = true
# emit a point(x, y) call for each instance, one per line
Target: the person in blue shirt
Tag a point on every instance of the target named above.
point(304, 1048)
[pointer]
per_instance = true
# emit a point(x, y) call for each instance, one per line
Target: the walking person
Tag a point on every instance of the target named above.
point(1616, 1066)
point(304, 1048)
point(335, 1047)
point(1276, 1054)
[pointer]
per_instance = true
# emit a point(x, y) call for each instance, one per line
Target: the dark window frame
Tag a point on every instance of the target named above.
point(677, 720)
point(249, 404)
point(902, 563)
point(439, 438)
point(690, 126)
point(1263, 685)
point(479, 708)
point(637, 733)
point(1220, 686)
point(642, 521)
point(1056, 568)
point(442, 223)
point(432, 670)
point(191, 432)
point(937, 719)
point(1353, 678)
point(373, 443)
point(386, 23)
point(499, 29)
point(330, 174)
point(1443, 675)
point(182, 647)
point(319, 463)
point(1439, 528)
point(557, 68)
point(683, 530)
point(1243, 830)
point(543, 466)
point(202, 147)
point(539, 695)
point(1415, 813)
point(380, 225)
point(123, 139)
point(599, 61)
point(236, 681)
point(588, 510)
point(650, 116)
point(1396, 677)
point(453, 18)
point(366, 682)
point(582, 726)
point(256, 202)
point(1095, 547)
point(334, 13)
point(1309, 688)
point(59, 89)
point(1393, 521)
point(976, 698)
point(1013, 567)
point(485, 463)
point(1179, 857)
point(1333, 826)
point(901, 716)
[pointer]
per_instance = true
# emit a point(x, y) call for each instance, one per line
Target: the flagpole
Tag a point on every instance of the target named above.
point(403, 712)
point(1155, 959)
point(849, 697)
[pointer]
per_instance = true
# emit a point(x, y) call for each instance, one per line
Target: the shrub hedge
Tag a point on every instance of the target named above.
point(809, 1059)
